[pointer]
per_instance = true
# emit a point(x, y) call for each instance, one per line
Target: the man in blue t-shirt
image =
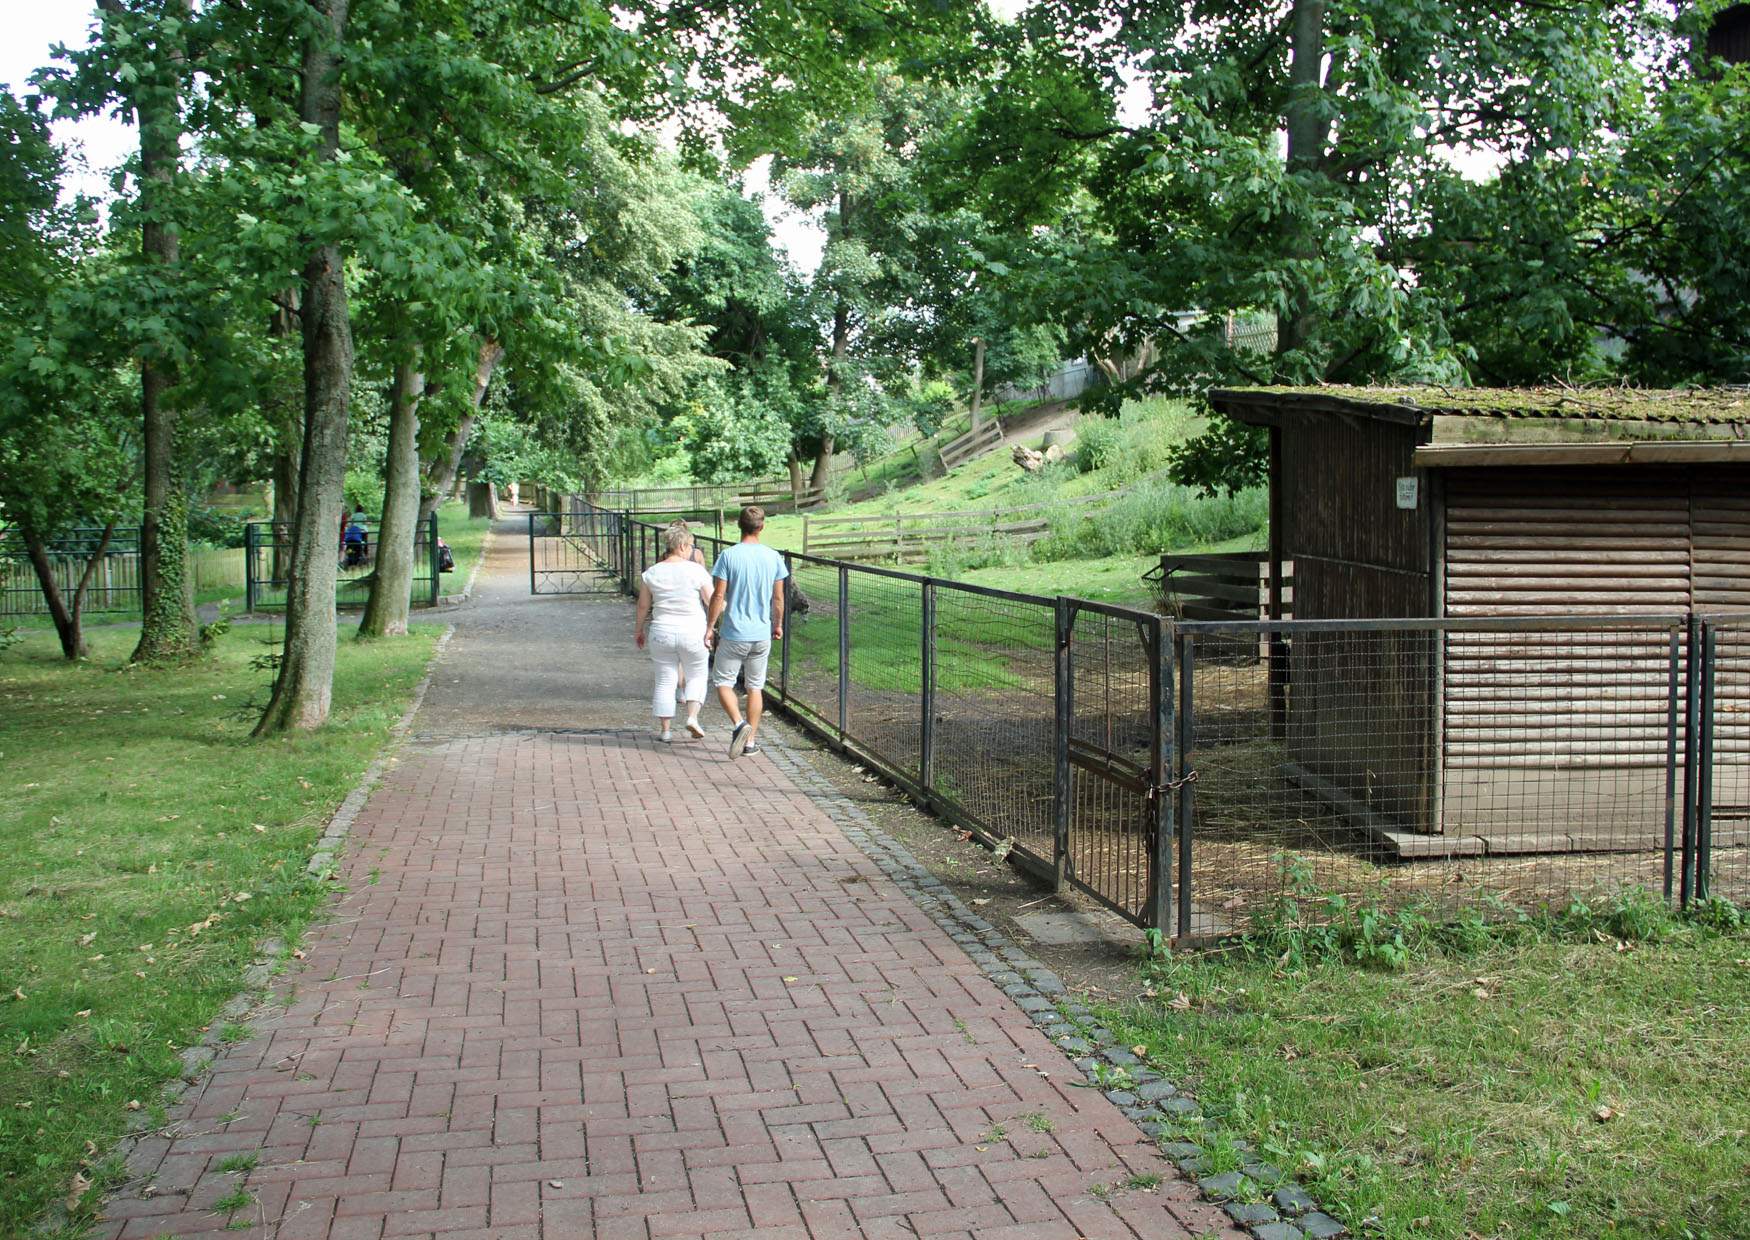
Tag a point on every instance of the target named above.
point(749, 597)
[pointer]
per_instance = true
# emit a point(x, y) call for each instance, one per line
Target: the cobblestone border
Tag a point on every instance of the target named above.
point(1258, 1197)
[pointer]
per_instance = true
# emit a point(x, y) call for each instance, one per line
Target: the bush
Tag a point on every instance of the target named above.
point(1098, 445)
point(1154, 517)
point(217, 527)
point(364, 489)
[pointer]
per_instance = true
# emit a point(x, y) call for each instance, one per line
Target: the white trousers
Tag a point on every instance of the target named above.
point(674, 652)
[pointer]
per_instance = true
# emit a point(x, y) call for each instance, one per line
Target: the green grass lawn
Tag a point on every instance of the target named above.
point(467, 538)
point(149, 846)
point(1563, 1085)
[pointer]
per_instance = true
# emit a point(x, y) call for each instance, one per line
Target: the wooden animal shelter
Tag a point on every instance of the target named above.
point(1422, 502)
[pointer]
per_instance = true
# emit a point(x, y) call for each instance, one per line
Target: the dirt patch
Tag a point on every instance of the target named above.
point(1103, 967)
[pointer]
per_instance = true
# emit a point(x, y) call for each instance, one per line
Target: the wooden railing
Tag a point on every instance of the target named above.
point(1233, 585)
point(974, 443)
point(770, 494)
point(909, 537)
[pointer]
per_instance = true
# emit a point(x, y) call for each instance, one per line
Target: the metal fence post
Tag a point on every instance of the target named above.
point(533, 588)
point(844, 652)
point(789, 624)
point(1184, 740)
point(1704, 807)
point(1691, 742)
point(431, 547)
point(626, 552)
point(249, 566)
point(1162, 748)
point(1063, 722)
point(1673, 721)
point(927, 674)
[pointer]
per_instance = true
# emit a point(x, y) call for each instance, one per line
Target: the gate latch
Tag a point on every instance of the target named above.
point(1173, 785)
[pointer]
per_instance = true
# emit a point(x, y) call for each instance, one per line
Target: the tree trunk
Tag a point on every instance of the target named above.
point(392, 582)
point(68, 618)
point(841, 338)
point(795, 478)
point(168, 629)
point(479, 499)
point(442, 476)
point(289, 439)
point(978, 383)
point(1306, 139)
point(841, 347)
point(305, 686)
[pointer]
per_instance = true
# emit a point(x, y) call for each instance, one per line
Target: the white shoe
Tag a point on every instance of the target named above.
point(665, 736)
point(696, 728)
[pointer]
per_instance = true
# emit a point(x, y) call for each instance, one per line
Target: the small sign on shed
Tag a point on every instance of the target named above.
point(1407, 492)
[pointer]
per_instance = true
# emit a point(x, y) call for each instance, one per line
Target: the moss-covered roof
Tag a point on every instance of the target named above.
point(1701, 407)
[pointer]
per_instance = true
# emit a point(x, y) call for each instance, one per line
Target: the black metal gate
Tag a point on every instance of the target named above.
point(267, 562)
point(1115, 751)
point(115, 582)
point(579, 552)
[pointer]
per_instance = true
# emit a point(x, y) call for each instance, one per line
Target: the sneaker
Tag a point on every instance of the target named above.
point(738, 740)
point(751, 747)
point(665, 736)
point(696, 728)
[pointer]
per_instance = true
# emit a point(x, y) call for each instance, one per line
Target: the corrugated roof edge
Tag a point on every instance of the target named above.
point(1714, 407)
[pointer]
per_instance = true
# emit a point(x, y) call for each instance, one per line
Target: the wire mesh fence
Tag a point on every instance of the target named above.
point(1188, 775)
point(809, 662)
point(1443, 762)
point(884, 623)
point(1724, 865)
point(1117, 742)
point(994, 715)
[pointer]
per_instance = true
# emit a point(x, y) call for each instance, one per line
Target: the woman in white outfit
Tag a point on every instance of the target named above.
point(697, 557)
point(672, 597)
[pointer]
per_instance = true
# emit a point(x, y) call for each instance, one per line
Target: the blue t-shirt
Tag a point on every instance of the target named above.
point(751, 570)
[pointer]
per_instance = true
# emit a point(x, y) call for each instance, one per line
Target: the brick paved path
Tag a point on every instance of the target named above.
point(571, 995)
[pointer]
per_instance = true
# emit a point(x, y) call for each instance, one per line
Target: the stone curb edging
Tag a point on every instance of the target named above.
point(1164, 1111)
point(271, 954)
point(456, 600)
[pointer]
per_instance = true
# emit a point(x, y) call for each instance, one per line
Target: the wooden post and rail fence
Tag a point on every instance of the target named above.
point(771, 494)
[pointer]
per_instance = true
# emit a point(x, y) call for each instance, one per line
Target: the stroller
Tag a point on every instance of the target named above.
point(355, 545)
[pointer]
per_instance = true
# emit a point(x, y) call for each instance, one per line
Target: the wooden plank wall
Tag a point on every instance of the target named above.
point(1576, 723)
point(1360, 711)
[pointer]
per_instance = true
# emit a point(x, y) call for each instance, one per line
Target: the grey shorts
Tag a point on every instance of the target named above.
point(746, 659)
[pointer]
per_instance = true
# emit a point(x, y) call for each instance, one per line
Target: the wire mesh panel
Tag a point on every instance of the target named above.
point(268, 560)
point(1112, 756)
point(115, 580)
point(995, 691)
point(1725, 860)
point(573, 552)
point(811, 631)
point(1434, 761)
point(884, 706)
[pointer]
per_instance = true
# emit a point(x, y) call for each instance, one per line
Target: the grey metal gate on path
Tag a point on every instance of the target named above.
point(577, 552)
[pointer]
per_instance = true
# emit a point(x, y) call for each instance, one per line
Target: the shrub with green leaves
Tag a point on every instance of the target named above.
point(1098, 444)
